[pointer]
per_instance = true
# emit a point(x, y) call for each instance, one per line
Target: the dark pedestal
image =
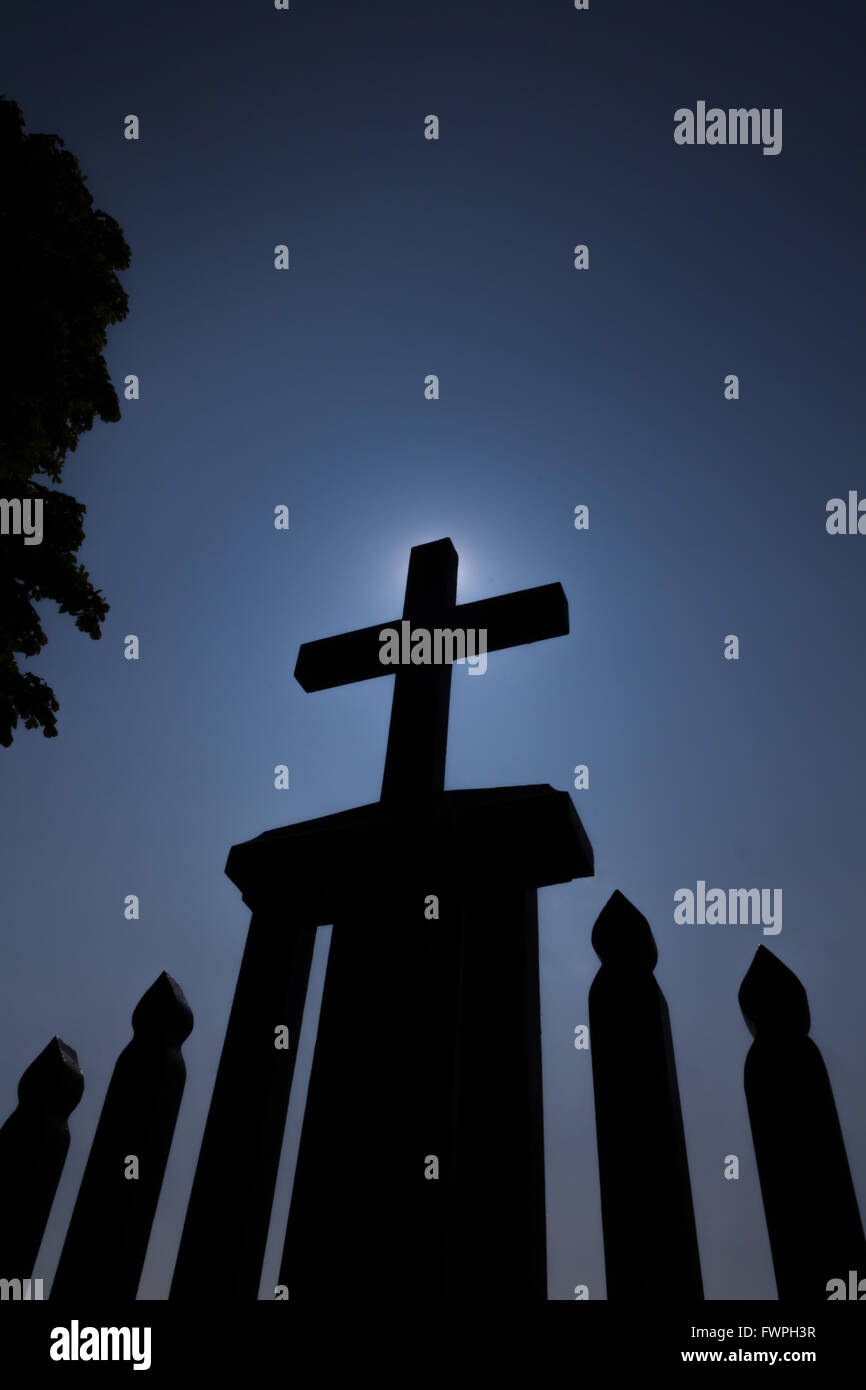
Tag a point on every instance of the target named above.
point(428, 1043)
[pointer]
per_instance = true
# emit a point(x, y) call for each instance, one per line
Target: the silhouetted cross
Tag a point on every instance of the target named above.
point(417, 737)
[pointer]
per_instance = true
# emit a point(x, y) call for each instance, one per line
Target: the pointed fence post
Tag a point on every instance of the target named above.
point(33, 1145)
point(108, 1234)
point(646, 1201)
point(812, 1218)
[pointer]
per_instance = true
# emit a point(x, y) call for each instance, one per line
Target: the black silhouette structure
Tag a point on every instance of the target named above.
point(646, 1200)
point(813, 1221)
point(106, 1241)
point(226, 1227)
point(34, 1142)
point(420, 1174)
point(428, 1055)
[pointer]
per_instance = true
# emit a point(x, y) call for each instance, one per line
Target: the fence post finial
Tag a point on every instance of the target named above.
point(33, 1145)
point(106, 1243)
point(812, 1217)
point(646, 1199)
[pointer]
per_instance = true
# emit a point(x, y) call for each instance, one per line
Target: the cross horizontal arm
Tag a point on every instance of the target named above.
point(510, 620)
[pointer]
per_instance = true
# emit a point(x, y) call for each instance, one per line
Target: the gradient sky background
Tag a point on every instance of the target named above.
point(605, 387)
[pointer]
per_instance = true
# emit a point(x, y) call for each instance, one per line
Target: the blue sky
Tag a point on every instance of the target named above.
point(557, 387)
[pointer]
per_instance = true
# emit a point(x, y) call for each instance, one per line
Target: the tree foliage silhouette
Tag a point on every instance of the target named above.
point(58, 257)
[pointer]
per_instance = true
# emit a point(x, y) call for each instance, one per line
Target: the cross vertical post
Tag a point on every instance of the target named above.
point(418, 733)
